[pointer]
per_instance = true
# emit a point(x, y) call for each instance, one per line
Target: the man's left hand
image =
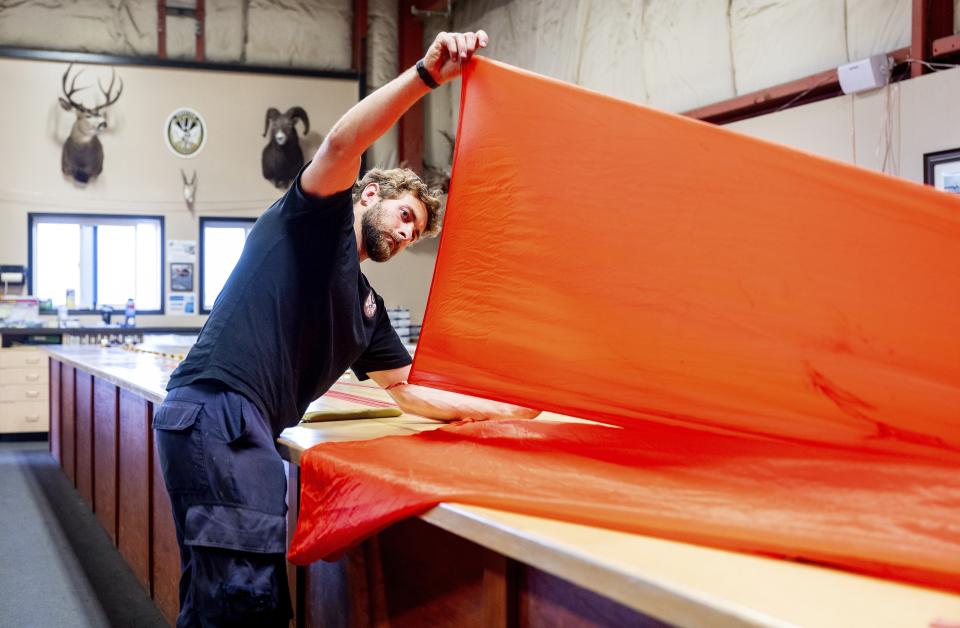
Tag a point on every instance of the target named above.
point(449, 51)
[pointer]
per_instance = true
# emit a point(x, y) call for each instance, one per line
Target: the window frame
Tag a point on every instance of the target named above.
point(67, 217)
point(204, 221)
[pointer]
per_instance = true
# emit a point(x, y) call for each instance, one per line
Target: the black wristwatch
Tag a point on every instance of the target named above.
point(425, 75)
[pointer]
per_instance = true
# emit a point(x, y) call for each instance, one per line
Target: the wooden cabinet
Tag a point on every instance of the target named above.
point(54, 409)
point(164, 552)
point(24, 390)
point(83, 391)
point(101, 434)
point(105, 455)
point(68, 422)
point(411, 574)
point(133, 483)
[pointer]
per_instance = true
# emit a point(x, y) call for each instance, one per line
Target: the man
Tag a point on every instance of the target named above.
point(295, 313)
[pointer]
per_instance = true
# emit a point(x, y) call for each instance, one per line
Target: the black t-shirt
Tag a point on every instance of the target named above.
point(295, 313)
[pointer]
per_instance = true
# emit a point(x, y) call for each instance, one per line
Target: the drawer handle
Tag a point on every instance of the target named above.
point(33, 360)
point(33, 394)
point(33, 377)
point(32, 418)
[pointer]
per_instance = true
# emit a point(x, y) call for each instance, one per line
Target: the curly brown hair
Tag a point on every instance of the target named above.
point(396, 182)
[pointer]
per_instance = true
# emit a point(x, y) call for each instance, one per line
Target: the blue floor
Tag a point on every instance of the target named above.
point(58, 567)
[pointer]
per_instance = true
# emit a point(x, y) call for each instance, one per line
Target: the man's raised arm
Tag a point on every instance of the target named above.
point(337, 162)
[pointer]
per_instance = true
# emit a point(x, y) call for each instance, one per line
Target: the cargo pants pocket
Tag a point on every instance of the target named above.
point(180, 446)
point(237, 566)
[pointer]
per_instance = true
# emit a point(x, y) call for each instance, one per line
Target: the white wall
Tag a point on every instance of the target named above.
point(140, 175)
point(673, 55)
point(901, 122)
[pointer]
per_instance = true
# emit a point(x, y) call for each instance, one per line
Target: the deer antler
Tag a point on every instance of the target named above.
point(106, 92)
point(68, 101)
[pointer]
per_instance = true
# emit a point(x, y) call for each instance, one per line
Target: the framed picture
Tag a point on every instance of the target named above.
point(181, 277)
point(942, 170)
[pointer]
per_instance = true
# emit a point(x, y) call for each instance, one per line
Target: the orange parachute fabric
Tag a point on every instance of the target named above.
point(610, 261)
point(775, 334)
point(873, 513)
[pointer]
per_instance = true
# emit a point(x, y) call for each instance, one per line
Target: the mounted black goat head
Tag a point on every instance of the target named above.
point(282, 157)
point(82, 157)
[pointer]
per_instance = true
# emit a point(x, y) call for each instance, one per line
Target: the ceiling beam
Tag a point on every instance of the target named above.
point(803, 90)
point(359, 49)
point(930, 21)
point(201, 18)
point(411, 125)
point(946, 46)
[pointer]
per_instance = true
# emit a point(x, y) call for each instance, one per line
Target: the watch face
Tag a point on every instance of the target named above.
point(185, 132)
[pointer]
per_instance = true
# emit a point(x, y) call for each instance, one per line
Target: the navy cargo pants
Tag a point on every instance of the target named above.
point(227, 486)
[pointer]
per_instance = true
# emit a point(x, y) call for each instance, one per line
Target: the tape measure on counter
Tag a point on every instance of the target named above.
point(179, 357)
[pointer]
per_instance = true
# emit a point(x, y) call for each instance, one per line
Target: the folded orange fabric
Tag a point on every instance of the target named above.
point(879, 514)
point(777, 334)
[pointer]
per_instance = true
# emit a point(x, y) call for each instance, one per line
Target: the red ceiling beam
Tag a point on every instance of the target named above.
point(931, 20)
point(162, 29)
point(932, 36)
point(200, 16)
point(197, 13)
point(946, 45)
point(807, 89)
point(359, 56)
point(410, 127)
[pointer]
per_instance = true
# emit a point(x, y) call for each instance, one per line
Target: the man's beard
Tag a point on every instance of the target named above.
point(379, 246)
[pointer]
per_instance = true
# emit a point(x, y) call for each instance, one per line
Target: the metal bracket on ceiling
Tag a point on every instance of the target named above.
point(414, 11)
point(182, 8)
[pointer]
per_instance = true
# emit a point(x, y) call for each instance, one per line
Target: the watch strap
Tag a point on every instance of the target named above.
point(425, 75)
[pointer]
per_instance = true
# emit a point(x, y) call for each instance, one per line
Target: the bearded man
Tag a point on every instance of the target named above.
point(295, 313)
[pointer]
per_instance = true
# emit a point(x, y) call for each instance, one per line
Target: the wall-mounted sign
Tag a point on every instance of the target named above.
point(185, 132)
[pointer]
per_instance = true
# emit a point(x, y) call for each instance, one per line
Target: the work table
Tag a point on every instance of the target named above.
point(675, 582)
point(11, 336)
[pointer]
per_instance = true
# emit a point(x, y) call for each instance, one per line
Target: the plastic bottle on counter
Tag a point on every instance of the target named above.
point(130, 315)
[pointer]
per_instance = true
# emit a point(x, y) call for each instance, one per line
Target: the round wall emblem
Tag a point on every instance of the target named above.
point(185, 132)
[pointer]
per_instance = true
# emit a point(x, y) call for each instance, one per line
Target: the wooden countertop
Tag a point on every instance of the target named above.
point(143, 373)
point(677, 582)
point(27, 331)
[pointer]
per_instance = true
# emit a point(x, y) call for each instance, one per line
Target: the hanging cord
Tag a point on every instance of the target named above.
point(828, 78)
point(884, 151)
point(889, 161)
point(822, 81)
point(930, 64)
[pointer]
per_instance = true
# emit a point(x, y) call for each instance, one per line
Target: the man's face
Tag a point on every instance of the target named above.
point(391, 225)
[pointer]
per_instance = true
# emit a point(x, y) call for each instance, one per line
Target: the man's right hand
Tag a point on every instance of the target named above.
point(336, 165)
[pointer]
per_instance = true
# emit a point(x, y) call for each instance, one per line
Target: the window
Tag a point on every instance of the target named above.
point(221, 242)
point(101, 259)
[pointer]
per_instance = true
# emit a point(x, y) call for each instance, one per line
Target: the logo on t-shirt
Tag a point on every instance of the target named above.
point(370, 306)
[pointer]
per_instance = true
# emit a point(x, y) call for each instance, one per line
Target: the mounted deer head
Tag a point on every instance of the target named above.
point(189, 189)
point(82, 156)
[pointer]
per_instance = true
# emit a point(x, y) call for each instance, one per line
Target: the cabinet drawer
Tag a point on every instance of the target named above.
point(24, 392)
point(35, 376)
point(24, 416)
point(22, 358)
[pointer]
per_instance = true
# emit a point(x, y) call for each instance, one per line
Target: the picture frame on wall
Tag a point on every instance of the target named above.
point(181, 277)
point(942, 170)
